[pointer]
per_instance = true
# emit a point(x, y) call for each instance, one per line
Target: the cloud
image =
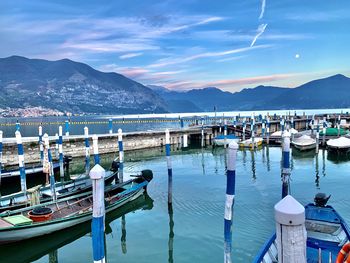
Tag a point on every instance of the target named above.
point(173, 61)
point(260, 31)
point(130, 55)
point(263, 4)
point(226, 84)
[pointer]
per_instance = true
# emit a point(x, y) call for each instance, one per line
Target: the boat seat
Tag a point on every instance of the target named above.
point(331, 232)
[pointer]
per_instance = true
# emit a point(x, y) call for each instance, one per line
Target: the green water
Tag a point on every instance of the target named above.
point(193, 232)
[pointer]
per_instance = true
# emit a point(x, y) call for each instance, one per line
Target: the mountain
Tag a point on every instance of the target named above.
point(66, 85)
point(330, 92)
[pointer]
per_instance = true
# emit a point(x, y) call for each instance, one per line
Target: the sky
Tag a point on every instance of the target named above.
point(228, 44)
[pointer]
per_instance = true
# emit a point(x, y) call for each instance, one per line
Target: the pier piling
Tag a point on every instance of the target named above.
point(95, 148)
point(60, 151)
point(230, 196)
point(110, 126)
point(67, 128)
point(169, 165)
point(97, 175)
point(285, 163)
point(21, 162)
point(87, 150)
point(50, 167)
point(41, 147)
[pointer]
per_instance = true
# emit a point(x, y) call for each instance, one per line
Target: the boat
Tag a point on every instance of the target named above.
point(343, 124)
point(43, 219)
point(339, 144)
point(327, 233)
point(304, 143)
point(276, 137)
point(47, 244)
point(249, 143)
point(33, 171)
point(220, 140)
point(333, 132)
point(81, 184)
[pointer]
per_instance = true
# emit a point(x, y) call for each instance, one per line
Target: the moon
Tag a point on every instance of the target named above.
point(297, 56)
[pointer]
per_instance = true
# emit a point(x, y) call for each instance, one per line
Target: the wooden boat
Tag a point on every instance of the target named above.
point(17, 225)
point(33, 171)
point(46, 244)
point(339, 144)
point(220, 140)
point(304, 143)
point(81, 184)
point(249, 143)
point(327, 232)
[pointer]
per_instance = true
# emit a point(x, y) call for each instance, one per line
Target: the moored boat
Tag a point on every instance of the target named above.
point(303, 143)
point(327, 234)
point(221, 140)
point(339, 144)
point(19, 224)
point(63, 189)
point(250, 143)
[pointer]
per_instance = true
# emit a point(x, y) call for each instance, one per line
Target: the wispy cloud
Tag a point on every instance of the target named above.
point(263, 5)
point(260, 31)
point(173, 61)
point(130, 55)
point(227, 84)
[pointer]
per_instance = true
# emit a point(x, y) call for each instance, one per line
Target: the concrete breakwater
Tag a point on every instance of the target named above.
point(108, 143)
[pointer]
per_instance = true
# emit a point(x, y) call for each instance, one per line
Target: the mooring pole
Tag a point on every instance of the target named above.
point(95, 147)
point(252, 124)
point(67, 128)
point(286, 163)
point(169, 165)
point(18, 126)
point(110, 126)
point(97, 175)
point(202, 132)
point(50, 167)
point(60, 151)
point(121, 154)
point(290, 222)
point(41, 148)
point(21, 163)
point(0, 158)
point(244, 126)
point(230, 196)
point(225, 133)
point(87, 150)
point(56, 145)
point(324, 130)
point(317, 137)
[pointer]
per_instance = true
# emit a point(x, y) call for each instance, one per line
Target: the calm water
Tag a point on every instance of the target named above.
point(99, 124)
point(194, 231)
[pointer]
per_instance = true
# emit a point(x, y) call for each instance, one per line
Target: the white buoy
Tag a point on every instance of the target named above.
point(290, 231)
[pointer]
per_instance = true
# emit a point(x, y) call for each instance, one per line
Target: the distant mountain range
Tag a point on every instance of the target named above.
point(331, 92)
point(69, 86)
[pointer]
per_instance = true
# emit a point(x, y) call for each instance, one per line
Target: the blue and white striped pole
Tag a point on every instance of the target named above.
point(97, 175)
point(225, 133)
point(110, 126)
point(120, 146)
point(56, 145)
point(41, 146)
point(263, 125)
point(21, 162)
point(282, 124)
point(170, 169)
point(0, 158)
point(244, 126)
point(268, 130)
point(252, 125)
point(67, 127)
point(121, 155)
point(18, 126)
point(230, 198)
point(95, 148)
point(324, 131)
point(318, 136)
point(87, 150)
point(285, 163)
point(60, 151)
point(202, 132)
point(50, 166)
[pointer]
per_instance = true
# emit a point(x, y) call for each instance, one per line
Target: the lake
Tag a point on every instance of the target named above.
point(148, 230)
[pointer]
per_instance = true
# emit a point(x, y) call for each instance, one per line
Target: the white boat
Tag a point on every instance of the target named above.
point(249, 143)
point(303, 143)
point(279, 133)
point(340, 144)
point(220, 140)
point(344, 124)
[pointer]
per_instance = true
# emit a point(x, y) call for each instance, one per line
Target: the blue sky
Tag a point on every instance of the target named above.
point(228, 44)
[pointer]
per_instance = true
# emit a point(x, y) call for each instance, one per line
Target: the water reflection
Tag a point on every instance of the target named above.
point(338, 157)
point(317, 179)
point(36, 248)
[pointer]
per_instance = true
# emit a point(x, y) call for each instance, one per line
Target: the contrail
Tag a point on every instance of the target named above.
point(263, 4)
point(260, 30)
